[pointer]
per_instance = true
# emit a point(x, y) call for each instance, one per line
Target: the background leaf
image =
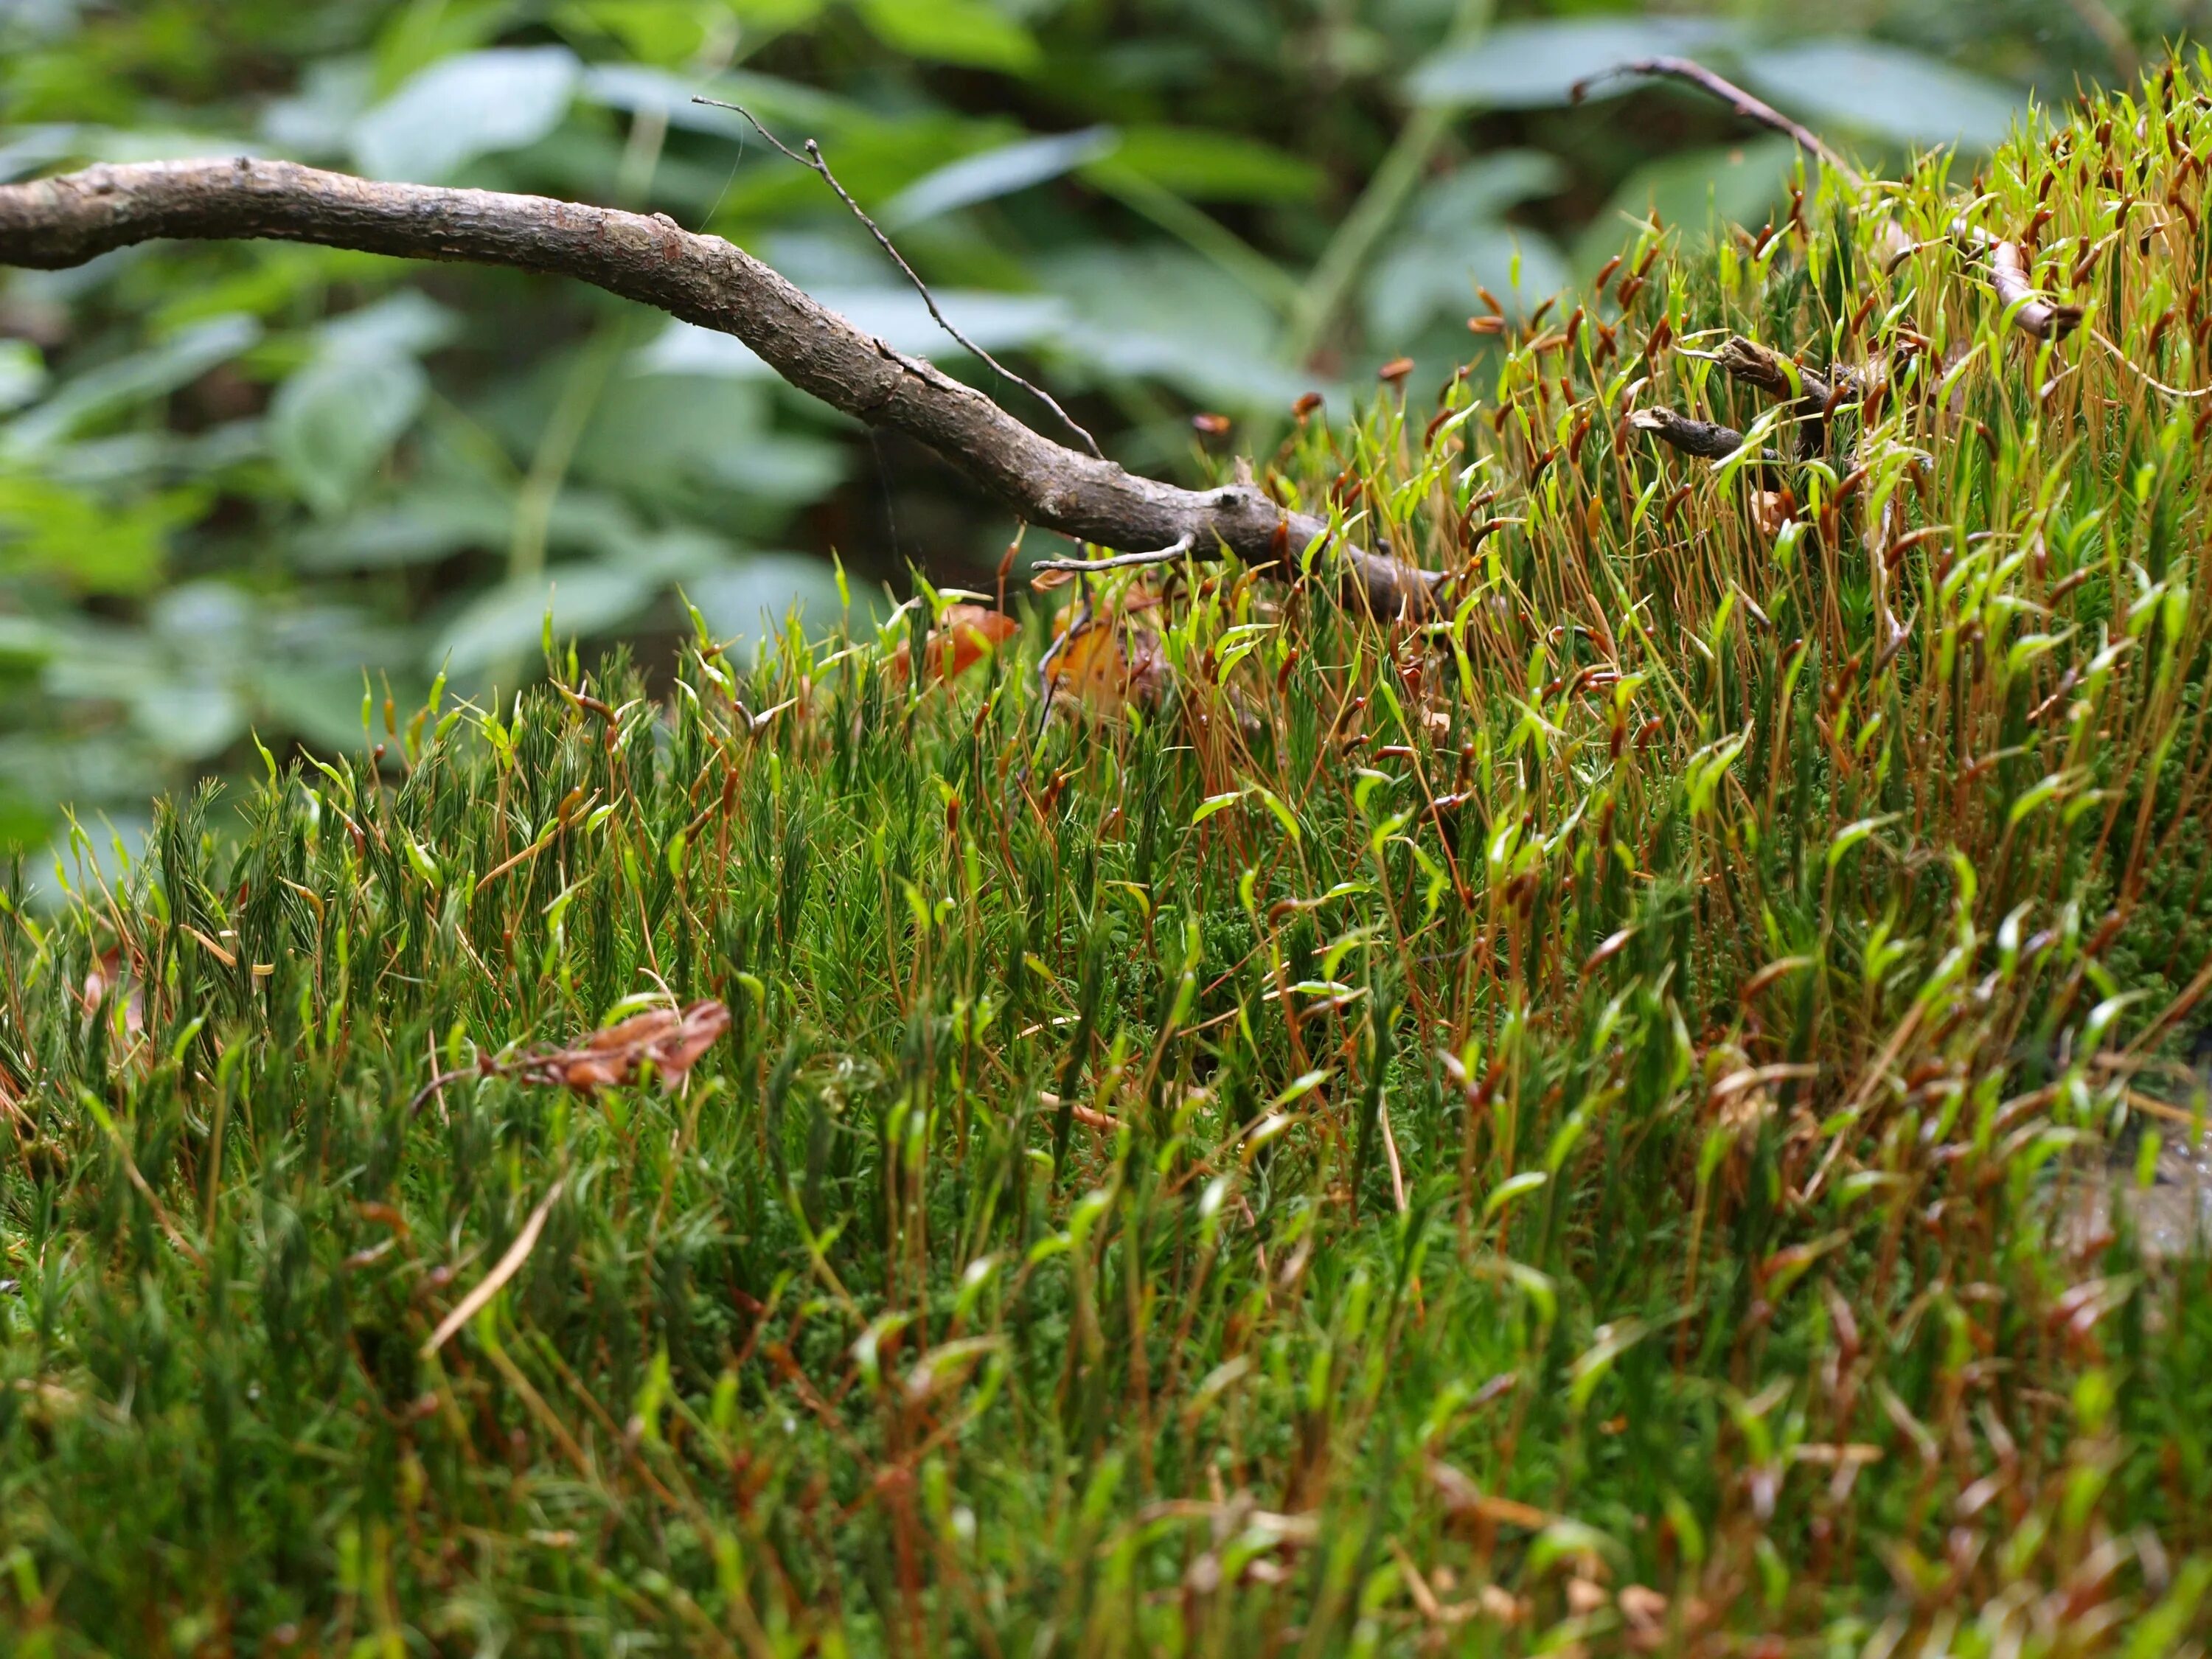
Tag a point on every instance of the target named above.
point(333, 422)
point(999, 172)
point(968, 32)
point(1533, 65)
point(1207, 166)
point(455, 111)
point(1887, 92)
point(508, 620)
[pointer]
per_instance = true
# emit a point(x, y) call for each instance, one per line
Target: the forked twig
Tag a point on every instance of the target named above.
point(814, 159)
point(1168, 555)
point(1751, 109)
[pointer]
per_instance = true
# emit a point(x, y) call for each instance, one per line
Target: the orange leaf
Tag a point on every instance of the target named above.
point(967, 635)
point(1111, 660)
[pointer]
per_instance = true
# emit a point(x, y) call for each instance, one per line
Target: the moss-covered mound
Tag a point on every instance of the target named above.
point(1610, 1119)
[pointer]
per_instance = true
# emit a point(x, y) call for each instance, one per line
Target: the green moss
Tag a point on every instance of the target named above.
point(1588, 1104)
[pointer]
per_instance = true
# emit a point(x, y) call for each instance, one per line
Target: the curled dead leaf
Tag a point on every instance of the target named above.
point(670, 1040)
point(1108, 658)
point(1772, 509)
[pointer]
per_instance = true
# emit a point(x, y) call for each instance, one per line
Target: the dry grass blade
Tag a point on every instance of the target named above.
point(503, 1270)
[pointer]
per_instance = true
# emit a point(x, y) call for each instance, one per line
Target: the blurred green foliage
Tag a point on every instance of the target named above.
point(245, 489)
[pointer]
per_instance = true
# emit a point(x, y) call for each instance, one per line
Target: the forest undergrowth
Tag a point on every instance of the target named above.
point(1167, 1116)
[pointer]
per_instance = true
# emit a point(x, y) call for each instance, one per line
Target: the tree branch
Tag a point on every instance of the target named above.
point(51, 223)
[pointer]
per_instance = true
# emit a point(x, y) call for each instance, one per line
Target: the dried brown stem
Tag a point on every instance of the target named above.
point(1895, 244)
point(52, 223)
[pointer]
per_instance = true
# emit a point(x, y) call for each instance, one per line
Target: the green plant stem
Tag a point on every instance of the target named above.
point(549, 461)
point(556, 449)
point(1378, 207)
point(1202, 232)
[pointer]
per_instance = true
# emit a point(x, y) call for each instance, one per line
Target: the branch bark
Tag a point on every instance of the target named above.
point(51, 223)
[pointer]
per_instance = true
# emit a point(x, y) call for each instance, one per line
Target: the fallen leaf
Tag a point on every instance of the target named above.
point(966, 635)
point(668, 1039)
point(1108, 659)
point(1772, 509)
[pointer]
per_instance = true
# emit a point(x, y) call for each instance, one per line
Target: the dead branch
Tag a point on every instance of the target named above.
point(1777, 376)
point(1814, 393)
point(53, 224)
point(1708, 441)
point(2031, 314)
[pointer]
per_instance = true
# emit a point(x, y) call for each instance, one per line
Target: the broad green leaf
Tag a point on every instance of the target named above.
point(22, 374)
point(1453, 241)
point(192, 720)
point(25, 646)
point(128, 381)
point(641, 89)
point(320, 702)
point(426, 524)
point(1206, 166)
point(654, 31)
point(970, 31)
point(407, 322)
point(1533, 65)
point(1692, 190)
point(894, 315)
point(995, 173)
point(675, 440)
point(506, 621)
point(747, 603)
point(1161, 313)
point(445, 117)
point(29, 149)
point(317, 121)
point(93, 543)
point(1889, 92)
point(331, 423)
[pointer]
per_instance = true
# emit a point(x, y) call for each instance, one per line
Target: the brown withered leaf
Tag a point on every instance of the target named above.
point(962, 637)
point(670, 1040)
point(1108, 658)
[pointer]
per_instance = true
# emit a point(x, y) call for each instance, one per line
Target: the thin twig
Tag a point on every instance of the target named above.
point(2144, 375)
point(1168, 555)
point(1076, 624)
point(813, 159)
point(1751, 109)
